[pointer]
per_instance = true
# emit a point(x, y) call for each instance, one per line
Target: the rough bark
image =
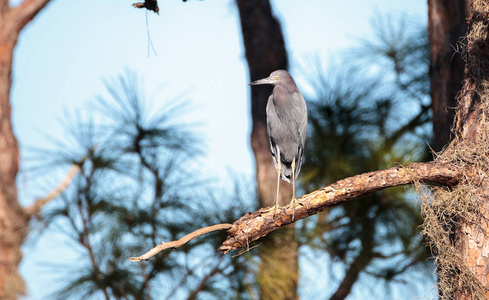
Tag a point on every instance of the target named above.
point(253, 226)
point(265, 52)
point(13, 225)
point(13, 220)
point(470, 146)
point(447, 24)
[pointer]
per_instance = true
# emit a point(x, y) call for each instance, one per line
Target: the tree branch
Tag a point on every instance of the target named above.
point(26, 11)
point(253, 226)
point(35, 208)
point(181, 242)
point(260, 223)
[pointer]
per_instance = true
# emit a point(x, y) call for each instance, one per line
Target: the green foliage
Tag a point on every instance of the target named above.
point(138, 185)
point(371, 115)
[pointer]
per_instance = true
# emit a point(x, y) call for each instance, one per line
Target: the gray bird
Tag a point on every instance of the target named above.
point(286, 126)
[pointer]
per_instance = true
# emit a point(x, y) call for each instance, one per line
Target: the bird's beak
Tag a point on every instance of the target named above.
point(268, 80)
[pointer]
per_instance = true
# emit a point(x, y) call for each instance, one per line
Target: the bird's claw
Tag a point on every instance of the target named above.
point(272, 208)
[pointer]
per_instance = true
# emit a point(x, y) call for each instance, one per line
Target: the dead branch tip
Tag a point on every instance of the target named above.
point(181, 242)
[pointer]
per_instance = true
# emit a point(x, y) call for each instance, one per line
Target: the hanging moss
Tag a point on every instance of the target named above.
point(447, 210)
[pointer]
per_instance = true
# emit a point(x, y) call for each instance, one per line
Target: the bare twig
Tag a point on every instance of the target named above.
point(260, 223)
point(35, 208)
point(180, 242)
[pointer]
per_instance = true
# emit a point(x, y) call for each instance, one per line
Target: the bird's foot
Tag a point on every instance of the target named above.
point(273, 208)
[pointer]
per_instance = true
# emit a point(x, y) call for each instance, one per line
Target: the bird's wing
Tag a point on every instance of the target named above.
point(271, 112)
point(279, 136)
point(302, 130)
point(303, 123)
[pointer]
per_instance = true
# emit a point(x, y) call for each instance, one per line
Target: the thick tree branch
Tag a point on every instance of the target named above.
point(26, 11)
point(255, 225)
point(260, 223)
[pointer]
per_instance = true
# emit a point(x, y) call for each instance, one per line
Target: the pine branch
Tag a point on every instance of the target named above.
point(420, 119)
point(260, 223)
point(201, 286)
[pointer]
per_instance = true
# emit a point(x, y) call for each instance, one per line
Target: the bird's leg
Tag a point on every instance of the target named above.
point(293, 179)
point(279, 170)
point(293, 189)
point(292, 203)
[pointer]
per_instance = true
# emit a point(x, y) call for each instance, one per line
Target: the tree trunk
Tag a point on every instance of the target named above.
point(471, 238)
point(13, 222)
point(447, 24)
point(464, 263)
point(13, 219)
point(265, 52)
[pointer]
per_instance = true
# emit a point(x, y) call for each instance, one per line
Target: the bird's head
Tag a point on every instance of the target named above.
point(275, 78)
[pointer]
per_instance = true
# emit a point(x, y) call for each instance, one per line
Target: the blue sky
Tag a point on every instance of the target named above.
point(64, 54)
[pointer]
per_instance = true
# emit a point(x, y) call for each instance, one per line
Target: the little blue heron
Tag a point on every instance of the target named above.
point(286, 127)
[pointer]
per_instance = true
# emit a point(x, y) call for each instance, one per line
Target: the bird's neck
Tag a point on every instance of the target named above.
point(280, 92)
